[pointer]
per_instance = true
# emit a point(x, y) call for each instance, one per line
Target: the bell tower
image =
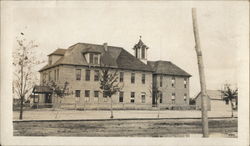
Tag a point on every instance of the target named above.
point(141, 51)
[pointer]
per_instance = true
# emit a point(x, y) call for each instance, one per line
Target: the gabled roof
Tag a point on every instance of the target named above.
point(116, 57)
point(42, 89)
point(168, 68)
point(59, 51)
point(212, 94)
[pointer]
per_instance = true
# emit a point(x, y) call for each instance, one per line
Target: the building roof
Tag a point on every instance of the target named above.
point(115, 57)
point(58, 51)
point(168, 68)
point(140, 44)
point(212, 94)
point(42, 89)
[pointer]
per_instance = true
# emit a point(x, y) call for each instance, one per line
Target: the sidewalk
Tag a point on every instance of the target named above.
point(46, 114)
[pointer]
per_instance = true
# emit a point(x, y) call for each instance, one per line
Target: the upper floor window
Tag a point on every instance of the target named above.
point(185, 82)
point(121, 96)
point(93, 58)
point(161, 78)
point(96, 77)
point(143, 97)
point(87, 75)
point(173, 82)
point(121, 76)
point(132, 97)
point(78, 74)
point(77, 93)
point(143, 78)
point(50, 60)
point(132, 78)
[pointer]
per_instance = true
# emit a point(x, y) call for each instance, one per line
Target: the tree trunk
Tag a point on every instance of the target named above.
point(201, 75)
point(22, 96)
point(21, 109)
point(232, 108)
point(158, 105)
point(111, 108)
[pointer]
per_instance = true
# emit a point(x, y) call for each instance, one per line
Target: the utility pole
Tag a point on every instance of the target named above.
point(201, 74)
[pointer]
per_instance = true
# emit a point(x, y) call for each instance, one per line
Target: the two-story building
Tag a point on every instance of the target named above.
point(80, 64)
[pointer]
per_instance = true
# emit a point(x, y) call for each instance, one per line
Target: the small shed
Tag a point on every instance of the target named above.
point(215, 101)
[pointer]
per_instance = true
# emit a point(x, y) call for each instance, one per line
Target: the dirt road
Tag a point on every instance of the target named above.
point(127, 128)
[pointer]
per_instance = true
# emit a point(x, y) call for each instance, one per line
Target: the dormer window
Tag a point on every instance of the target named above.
point(93, 58)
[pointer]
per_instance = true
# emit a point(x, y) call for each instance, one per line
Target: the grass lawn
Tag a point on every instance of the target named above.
point(127, 128)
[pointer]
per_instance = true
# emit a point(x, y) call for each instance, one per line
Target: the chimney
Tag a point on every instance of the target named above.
point(105, 45)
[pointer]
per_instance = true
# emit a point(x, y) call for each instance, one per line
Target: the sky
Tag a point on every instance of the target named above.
point(165, 26)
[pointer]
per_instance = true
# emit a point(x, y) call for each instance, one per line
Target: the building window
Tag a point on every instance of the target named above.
point(96, 94)
point(87, 94)
point(173, 98)
point(132, 78)
point(96, 77)
point(143, 97)
point(78, 74)
point(77, 93)
point(160, 97)
point(57, 75)
point(54, 75)
point(121, 96)
point(105, 99)
point(121, 76)
point(87, 75)
point(96, 59)
point(161, 80)
point(173, 82)
point(93, 58)
point(50, 60)
point(143, 53)
point(132, 98)
point(185, 97)
point(49, 75)
point(185, 82)
point(143, 78)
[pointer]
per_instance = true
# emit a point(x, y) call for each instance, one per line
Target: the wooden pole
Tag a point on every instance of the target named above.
point(201, 74)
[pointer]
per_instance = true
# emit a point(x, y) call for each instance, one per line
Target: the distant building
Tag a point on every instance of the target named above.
point(80, 66)
point(214, 100)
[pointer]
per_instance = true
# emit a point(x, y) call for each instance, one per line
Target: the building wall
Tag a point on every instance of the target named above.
point(68, 73)
point(167, 90)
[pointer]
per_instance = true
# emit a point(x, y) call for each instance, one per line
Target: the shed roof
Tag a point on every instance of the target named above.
point(212, 94)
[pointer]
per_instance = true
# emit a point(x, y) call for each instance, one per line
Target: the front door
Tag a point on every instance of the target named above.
point(48, 98)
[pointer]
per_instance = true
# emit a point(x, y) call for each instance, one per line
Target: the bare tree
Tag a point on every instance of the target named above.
point(109, 85)
point(25, 77)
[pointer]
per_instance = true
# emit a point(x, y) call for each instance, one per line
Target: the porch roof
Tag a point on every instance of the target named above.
point(42, 90)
